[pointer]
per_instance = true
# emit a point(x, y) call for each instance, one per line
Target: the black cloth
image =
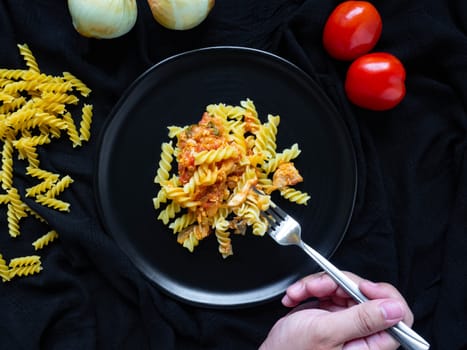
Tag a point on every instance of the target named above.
point(410, 219)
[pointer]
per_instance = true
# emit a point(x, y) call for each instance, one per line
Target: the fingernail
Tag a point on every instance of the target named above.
point(286, 300)
point(370, 283)
point(295, 288)
point(392, 310)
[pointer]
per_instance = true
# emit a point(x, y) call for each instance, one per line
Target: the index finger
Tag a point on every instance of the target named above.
point(321, 285)
point(317, 285)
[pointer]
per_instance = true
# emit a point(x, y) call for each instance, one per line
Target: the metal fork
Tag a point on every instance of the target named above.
point(287, 231)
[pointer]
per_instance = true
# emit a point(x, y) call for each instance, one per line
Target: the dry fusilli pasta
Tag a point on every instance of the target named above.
point(4, 270)
point(44, 240)
point(36, 108)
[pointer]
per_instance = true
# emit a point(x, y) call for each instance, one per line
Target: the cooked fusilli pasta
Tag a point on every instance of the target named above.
point(165, 163)
point(220, 160)
point(294, 195)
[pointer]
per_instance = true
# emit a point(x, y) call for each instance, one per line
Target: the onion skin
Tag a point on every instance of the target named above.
point(180, 14)
point(103, 19)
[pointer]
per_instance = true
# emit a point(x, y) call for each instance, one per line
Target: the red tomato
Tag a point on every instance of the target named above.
point(376, 81)
point(352, 29)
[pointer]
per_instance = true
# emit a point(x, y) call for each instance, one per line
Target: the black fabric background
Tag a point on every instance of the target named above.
point(410, 221)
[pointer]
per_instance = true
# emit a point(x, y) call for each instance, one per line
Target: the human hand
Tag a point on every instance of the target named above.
point(333, 320)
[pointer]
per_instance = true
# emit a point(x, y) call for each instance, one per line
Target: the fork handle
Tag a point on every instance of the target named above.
point(407, 337)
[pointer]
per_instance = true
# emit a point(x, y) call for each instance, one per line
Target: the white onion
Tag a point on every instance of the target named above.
point(103, 19)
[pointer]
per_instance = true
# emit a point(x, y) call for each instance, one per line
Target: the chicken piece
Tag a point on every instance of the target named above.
point(198, 231)
point(240, 196)
point(286, 175)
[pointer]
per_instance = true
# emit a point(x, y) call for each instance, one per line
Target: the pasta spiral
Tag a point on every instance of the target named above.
point(169, 212)
point(214, 156)
point(4, 270)
point(225, 243)
point(182, 222)
point(285, 156)
point(28, 57)
point(203, 176)
point(165, 163)
point(53, 203)
point(25, 261)
point(59, 187)
point(294, 195)
point(266, 137)
point(25, 270)
point(44, 240)
point(85, 124)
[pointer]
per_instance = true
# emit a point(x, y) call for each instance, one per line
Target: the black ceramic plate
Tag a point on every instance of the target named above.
point(176, 92)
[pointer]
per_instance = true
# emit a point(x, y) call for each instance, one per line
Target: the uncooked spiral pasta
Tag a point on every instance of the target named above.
point(10, 75)
point(42, 174)
point(59, 187)
point(58, 98)
point(6, 98)
point(51, 86)
point(7, 165)
point(25, 261)
point(24, 266)
point(13, 221)
point(219, 162)
point(25, 270)
point(44, 240)
point(53, 203)
point(35, 109)
point(28, 57)
point(4, 270)
point(18, 205)
point(85, 124)
point(71, 130)
point(77, 84)
point(14, 105)
point(4, 199)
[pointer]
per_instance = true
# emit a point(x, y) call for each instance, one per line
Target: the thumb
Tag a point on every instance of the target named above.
point(363, 319)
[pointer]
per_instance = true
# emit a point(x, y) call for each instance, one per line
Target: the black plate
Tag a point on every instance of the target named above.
point(176, 92)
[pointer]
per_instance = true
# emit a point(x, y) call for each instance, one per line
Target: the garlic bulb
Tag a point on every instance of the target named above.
point(103, 19)
point(180, 14)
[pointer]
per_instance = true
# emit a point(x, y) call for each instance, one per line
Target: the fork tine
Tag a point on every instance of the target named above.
point(274, 214)
point(272, 222)
point(277, 211)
